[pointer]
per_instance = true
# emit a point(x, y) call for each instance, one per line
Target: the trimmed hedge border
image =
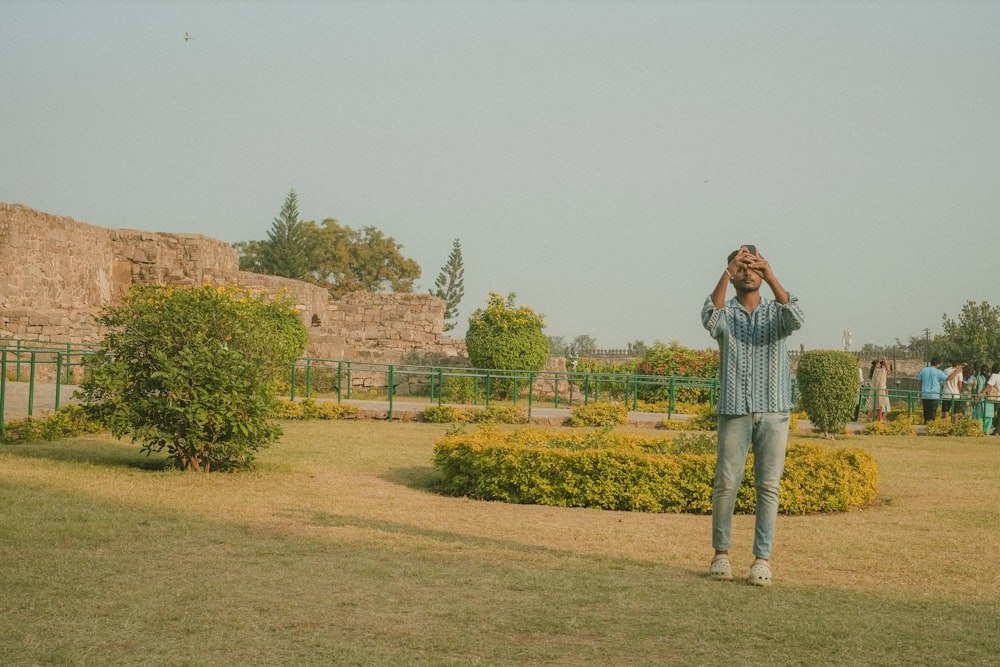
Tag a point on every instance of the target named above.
point(620, 471)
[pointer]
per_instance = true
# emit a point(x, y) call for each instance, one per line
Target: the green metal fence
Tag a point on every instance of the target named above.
point(343, 380)
point(35, 375)
point(38, 375)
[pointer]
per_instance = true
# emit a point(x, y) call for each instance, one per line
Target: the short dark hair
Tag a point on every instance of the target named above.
point(935, 361)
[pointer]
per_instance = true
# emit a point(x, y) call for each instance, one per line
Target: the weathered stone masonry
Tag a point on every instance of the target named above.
point(56, 274)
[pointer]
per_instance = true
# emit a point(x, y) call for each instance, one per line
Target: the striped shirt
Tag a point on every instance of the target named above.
point(754, 371)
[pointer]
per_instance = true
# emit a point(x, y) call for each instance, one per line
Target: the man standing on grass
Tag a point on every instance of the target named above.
point(931, 378)
point(755, 397)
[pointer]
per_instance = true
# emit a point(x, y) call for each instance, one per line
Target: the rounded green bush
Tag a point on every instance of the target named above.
point(828, 384)
point(506, 338)
point(620, 471)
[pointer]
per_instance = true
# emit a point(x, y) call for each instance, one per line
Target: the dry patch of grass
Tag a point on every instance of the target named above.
point(337, 551)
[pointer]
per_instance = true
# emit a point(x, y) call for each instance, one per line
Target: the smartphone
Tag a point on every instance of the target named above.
point(752, 249)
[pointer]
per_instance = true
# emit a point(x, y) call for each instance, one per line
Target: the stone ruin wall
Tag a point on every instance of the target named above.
point(56, 274)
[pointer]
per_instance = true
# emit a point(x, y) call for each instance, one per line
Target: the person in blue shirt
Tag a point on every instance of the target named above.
point(754, 401)
point(931, 378)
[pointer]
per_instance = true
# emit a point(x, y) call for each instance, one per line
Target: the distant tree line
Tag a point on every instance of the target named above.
point(343, 260)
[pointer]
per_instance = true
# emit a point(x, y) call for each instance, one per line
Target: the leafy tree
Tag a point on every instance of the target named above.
point(557, 346)
point(828, 386)
point(450, 284)
point(504, 336)
point(251, 256)
point(338, 258)
point(194, 371)
point(975, 335)
point(584, 345)
point(345, 260)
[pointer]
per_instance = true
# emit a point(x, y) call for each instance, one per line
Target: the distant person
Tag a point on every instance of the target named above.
point(990, 394)
point(754, 401)
point(930, 378)
point(982, 409)
point(879, 390)
point(951, 392)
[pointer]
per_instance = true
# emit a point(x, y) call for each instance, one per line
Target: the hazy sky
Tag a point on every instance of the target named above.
point(599, 159)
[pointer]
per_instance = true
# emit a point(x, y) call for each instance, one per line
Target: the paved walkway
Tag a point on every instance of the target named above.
point(17, 399)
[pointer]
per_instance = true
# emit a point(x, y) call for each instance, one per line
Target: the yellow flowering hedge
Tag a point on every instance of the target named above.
point(621, 471)
point(601, 413)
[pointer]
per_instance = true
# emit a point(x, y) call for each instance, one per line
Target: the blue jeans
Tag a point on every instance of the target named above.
point(766, 434)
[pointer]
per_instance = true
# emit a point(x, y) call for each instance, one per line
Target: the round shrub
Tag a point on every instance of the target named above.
point(499, 414)
point(619, 471)
point(828, 384)
point(598, 414)
point(505, 337)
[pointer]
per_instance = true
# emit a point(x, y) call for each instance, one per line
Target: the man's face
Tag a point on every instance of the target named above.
point(746, 279)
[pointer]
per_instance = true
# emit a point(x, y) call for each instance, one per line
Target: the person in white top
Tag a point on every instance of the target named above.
point(951, 390)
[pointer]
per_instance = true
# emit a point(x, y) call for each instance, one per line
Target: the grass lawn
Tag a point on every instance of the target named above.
point(337, 552)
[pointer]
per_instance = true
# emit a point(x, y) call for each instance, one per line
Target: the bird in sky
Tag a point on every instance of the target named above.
point(187, 37)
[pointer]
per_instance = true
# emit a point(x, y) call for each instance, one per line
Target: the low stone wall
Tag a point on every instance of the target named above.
point(57, 274)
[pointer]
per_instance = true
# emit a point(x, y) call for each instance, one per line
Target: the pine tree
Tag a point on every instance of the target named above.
point(286, 251)
point(449, 284)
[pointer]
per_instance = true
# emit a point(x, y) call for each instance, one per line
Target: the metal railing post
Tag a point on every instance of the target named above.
point(3, 387)
point(31, 386)
point(531, 390)
point(391, 386)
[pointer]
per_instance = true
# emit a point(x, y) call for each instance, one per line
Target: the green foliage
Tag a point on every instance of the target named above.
point(598, 414)
point(676, 360)
point(450, 284)
point(445, 414)
point(346, 260)
point(680, 407)
point(500, 414)
point(974, 335)
point(503, 336)
point(899, 425)
point(286, 252)
point(828, 387)
point(822, 479)
point(194, 371)
point(694, 443)
point(963, 426)
point(311, 409)
point(557, 346)
point(494, 414)
point(707, 419)
point(617, 471)
point(66, 422)
point(459, 389)
point(339, 258)
point(607, 379)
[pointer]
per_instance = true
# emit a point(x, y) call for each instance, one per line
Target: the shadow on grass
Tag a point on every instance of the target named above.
point(89, 450)
point(419, 478)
